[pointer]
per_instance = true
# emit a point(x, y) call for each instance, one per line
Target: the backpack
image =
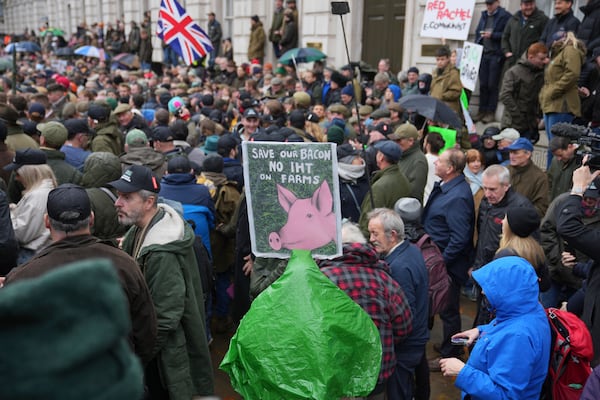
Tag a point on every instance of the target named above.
point(570, 356)
point(439, 281)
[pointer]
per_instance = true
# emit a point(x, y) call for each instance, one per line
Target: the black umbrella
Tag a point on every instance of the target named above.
point(431, 108)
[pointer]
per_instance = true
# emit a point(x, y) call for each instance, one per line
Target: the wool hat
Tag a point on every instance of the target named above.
point(254, 18)
point(175, 104)
point(346, 150)
point(79, 313)
point(520, 144)
point(335, 134)
point(507, 133)
point(27, 156)
point(297, 119)
point(523, 221)
point(162, 134)
point(75, 126)
point(339, 79)
point(211, 144)
point(179, 165)
point(136, 178)
point(136, 138)
point(409, 209)
point(348, 90)
point(389, 149)
point(68, 203)
point(54, 133)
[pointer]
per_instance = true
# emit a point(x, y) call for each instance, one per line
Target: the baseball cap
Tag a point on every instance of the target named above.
point(226, 143)
point(162, 133)
point(404, 131)
point(136, 178)
point(75, 126)
point(68, 203)
point(507, 133)
point(26, 157)
point(520, 144)
point(37, 108)
point(490, 131)
point(179, 165)
point(250, 113)
point(136, 138)
point(592, 190)
point(54, 133)
point(98, 112)
point(389, 149)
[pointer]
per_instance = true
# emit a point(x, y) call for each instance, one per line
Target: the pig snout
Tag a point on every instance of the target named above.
point(275, 241)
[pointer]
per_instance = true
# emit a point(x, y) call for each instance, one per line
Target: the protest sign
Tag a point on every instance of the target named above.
point(469, 64)
point(448, 134)
point(292, 193)
point(449, 19)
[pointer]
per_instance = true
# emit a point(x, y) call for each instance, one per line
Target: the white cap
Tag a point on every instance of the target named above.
point(507, 133)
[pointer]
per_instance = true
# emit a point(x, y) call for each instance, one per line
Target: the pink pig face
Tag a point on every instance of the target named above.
point(311, 221)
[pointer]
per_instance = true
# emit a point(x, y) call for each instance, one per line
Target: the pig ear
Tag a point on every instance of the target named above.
point(322, 199)
point(286, 197)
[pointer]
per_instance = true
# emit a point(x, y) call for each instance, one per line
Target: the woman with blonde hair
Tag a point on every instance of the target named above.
point(518, 229)
point(27, 215)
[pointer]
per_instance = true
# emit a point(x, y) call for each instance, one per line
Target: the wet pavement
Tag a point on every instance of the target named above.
point(442, 388)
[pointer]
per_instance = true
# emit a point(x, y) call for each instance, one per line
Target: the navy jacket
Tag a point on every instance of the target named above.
point(234, 171)
point(184, 189)
point(449, 219)
point(501, 17)
point(567, 22)
point(409, 270)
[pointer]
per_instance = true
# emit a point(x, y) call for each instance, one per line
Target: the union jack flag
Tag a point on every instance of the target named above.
point(178, 30)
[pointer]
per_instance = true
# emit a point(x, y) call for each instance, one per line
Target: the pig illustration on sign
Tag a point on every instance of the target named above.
point(311, 222)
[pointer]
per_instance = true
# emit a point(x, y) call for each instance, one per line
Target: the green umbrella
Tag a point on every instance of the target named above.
point(301, 55)
point(53, 31)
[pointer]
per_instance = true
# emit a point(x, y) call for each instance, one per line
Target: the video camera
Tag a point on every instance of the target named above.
point(588, 140)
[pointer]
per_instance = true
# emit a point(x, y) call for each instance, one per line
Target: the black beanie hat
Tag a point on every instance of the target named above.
point(523, 221)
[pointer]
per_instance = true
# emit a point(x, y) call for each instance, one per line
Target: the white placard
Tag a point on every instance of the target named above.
point(449, 19)
point(469, 64)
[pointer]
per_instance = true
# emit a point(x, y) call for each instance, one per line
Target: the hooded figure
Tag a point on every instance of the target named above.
point(510, 358)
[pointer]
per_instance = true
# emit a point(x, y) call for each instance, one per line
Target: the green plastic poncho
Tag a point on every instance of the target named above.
point(304, 338)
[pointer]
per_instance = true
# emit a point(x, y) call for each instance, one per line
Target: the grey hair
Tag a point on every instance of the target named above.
point(69, 227)
point(351, 233)
point(499, 171)
point(390, 221)
point(145, 194)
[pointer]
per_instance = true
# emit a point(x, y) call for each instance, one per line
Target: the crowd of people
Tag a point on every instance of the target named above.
point(144, 167)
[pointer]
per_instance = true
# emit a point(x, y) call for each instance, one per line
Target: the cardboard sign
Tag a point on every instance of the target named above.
point(293, 198)
point(469, 64)
point(449, 19)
